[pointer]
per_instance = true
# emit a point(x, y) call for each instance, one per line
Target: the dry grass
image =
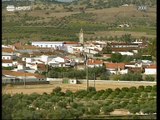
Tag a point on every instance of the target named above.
point(29, 89)
point(119, 34)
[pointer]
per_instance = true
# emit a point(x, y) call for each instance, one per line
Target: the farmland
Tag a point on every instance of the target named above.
point(65, 25)
point(83, 104)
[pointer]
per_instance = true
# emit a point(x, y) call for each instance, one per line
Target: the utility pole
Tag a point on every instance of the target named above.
point(25, 78)
point(87, 72)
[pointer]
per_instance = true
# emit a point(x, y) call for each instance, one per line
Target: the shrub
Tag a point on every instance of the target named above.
point(107, 109)
point(149, 78)
point(90, 89)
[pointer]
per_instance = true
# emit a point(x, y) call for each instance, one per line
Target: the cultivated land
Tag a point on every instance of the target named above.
point(40, 89)
point(62, 25)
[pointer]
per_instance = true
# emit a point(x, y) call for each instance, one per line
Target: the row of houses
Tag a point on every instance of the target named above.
point(35, 58)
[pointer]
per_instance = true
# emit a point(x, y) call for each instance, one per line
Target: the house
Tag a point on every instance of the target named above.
point(57, 62)
point(133, 65)
point(49, 44)
point(20, 77)
point(115, 68)
point(94, 63)
point(123, 45)
point(8, 54)
point(7, 63)
point(151, 70)
point(124, 53)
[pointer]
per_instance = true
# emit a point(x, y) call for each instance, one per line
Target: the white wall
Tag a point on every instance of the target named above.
point(20, 67)
point(149, 71)
point(48, 44)
point(7, 64)
point(6, 57)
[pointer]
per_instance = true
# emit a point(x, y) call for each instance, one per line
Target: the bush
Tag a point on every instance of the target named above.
point(90, 89)
point(107, 109)
point(94, 110)
point(141, 88)
point(57, 90)
point(148, 89)
point(149, 78)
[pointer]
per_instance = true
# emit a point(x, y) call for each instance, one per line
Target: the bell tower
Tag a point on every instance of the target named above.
point(81, 39)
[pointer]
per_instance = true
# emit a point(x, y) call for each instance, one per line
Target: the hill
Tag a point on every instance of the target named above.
point(58, 21)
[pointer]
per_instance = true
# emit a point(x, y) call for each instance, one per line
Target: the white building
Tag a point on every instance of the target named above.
point(10, 8)
point(48, 44)
point(6, 56)
point(7, 63)
point(151, 70)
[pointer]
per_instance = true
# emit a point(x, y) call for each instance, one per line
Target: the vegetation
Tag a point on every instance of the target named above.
point(46, 26)
point(69, 105)
point(117, 58)
point(93, 73)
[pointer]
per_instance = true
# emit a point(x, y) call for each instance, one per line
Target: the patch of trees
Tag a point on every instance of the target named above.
point(117, 57)
point(93, 73)
point(74, 105)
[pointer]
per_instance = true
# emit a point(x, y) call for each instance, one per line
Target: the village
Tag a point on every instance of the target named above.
point(31, 63)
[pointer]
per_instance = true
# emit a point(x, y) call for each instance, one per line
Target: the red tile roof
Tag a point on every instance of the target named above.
point(71, 43)
point(7, 50)
point(152, 67)
point(115, 65)
point(7, 61)
point(94, 62)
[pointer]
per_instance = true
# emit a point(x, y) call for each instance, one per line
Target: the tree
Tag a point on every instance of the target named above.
point(149, 78)
point(107, 109)
point(148, 89)
point(126, 38)
point(90, 89)
point(133, 89)
point(141, 88)
point(94, 110)
point(134, 109)
point(57, 90)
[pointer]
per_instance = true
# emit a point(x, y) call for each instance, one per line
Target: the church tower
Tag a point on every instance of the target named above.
point(81, 39)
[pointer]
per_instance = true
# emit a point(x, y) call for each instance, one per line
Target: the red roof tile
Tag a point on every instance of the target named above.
point(7, 61)
point(93, 62)
point(115, 65)
point(7, 50)
point(152, 67)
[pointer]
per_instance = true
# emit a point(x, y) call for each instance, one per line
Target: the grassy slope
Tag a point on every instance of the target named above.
point(62, 25)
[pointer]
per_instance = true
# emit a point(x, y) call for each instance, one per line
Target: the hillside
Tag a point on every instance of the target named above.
point(62, 21)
